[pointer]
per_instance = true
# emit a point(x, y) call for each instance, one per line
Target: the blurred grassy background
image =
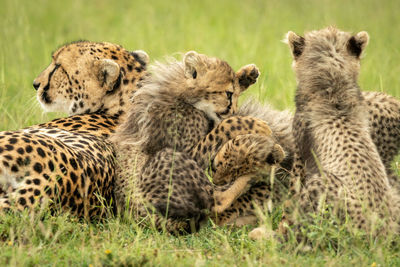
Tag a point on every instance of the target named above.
point(241, 32)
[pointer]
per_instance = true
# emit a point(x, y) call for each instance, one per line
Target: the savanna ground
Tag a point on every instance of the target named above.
point(241, 32)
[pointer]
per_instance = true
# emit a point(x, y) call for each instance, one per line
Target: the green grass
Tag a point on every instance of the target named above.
point(241, 32)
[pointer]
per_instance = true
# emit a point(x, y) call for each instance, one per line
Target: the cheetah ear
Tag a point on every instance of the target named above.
point(247, 76)
point(357, 43)
point(108, 73)
point(276, 156)
point(190, 61)
point(141, 56)
point(296, 44)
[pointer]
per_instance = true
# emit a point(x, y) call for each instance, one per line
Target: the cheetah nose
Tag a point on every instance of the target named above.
point(36, 85)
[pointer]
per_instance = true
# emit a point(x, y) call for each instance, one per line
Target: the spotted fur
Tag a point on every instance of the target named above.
point(339, 159)
point(384, 123)
point(171, 130)
point(68, 162)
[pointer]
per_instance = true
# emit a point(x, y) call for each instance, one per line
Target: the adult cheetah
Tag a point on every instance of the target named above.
point(333, 144)
point(68, 161)
point(176, 129)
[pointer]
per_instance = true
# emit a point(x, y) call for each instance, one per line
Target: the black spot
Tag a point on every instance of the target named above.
point(73, 176)
point(72, 204)
point(38, 167)
point(76, 118)
point(59, 181)
point(76, 193)
point(47, 190)
point(41, 152)
point(51, 166)
point(64, 158)
point(89, 171)
point(68, 186)
point(9, 147)
point(20, 161)
point(36, 181)
point(64, 201)
point(83, 180)
point(22, 201)
point(114, 57)
point(63, 169)
point(22, 191)
point(13, 140)
point(73, 163)
point(36, 192)
point(20, 151)
point(28, 149)
point(14, 168)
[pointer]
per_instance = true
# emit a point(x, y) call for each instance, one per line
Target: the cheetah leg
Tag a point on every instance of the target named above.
point(226, 130)
point(246, 154)
point(244, 157)
point(244, 220)
point(244, 205)
point(224, 198)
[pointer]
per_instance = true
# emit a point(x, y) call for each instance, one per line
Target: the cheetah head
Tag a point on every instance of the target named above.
point(84, 75)
point(212, 86)
point(207, 84)
point(327, 51)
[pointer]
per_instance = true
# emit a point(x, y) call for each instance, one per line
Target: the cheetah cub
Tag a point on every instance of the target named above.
point(180, 124)
point(339, 160)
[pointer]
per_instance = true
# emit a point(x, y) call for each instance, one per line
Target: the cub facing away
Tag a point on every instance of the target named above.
point(179, 122)
point(334, 149)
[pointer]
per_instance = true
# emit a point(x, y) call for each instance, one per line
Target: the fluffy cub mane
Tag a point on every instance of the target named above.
point(168, 85)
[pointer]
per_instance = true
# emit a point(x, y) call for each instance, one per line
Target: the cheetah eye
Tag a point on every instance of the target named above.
point(229, 95)
point(194, 74)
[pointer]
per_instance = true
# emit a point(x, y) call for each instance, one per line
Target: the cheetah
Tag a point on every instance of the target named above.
point(339, 160)
point(384, 123)
point(68, 161)
point(180, 123)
